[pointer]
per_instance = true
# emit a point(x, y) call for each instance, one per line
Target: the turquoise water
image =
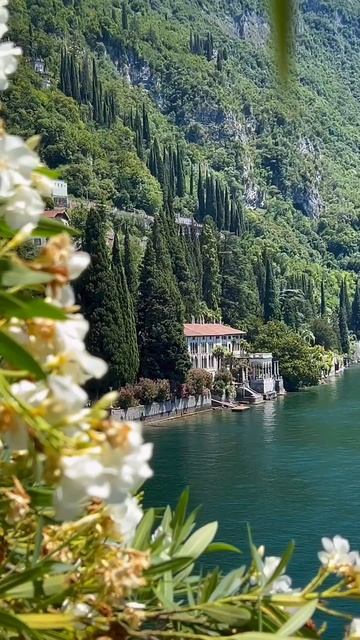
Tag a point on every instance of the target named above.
point(289, 467)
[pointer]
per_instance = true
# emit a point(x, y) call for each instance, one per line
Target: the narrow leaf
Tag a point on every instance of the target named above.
point(297, 620)
point(198, 541)
point(17, 356)
point(228, 614)
point(219, 547)
point(174, 565)
point(229, 584)
point(143, 532)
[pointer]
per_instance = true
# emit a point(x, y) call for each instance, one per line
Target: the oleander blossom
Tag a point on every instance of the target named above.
point(109, 472)
point(17, 162)
point(8, 62)
point(23, 207)
point(354, 629)
point(4, 16)
point(281, 584)
point(336, 556)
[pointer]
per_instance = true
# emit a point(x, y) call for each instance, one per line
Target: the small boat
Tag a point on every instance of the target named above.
point(240, 407)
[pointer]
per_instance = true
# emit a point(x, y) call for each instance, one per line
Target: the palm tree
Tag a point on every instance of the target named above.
point(219, 353)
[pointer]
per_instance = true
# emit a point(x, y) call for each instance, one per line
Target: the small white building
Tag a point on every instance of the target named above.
point(202, 338)
point(59, 193)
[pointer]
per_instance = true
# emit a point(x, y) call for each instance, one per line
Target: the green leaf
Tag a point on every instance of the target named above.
point(297, 620)
point(180, 511)
point(260, 635)
point(229, 584)
point(219, 547)
point(17, 307)
point(285, 559)
point(9, 621)
point(143, 532)
point(15, 274)
point(17, 356)
point(174, 565)
point(48, 227)
point(228, 614)
point(12, 581)
point(198, 541)
point(49, 173)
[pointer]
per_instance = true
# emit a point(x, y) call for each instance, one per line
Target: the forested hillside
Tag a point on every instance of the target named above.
point(175, 108)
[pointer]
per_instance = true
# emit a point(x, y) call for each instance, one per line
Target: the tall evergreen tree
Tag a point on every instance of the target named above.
point(124, 16)
point(180, 175)
point(146, 125)
point(130, 268)
point(163, 351)
point(95, 290)
point(355, 311)
point(85, 81)
point(139, 144)
point(345, 301)
point(343, 330)
point(270, 301)
point(322, 300)
point(96, 93)
point(211, 281)
point(220, 206)
point(191, 185)
point(201, 196)
point(226, 211)
point(130, 346)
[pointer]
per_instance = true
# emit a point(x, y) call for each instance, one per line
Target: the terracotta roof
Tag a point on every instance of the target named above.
point(54, 213)
point(194, 330)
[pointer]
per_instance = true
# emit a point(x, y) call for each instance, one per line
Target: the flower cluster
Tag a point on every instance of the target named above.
point(269, 565)
point(338, 558)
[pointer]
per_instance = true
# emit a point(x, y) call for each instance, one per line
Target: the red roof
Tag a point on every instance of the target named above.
point(54, 213)
point(194, 330)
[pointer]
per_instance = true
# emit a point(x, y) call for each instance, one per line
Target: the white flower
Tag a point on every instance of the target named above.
point(107, 472)
point(135, 605)
point(126, 516)
point(23, 207)
point(354, 630)
point(8, 62)
point(16, 436)
point(42, 184)
point(4, 16)
point(337, 553)
point(281, 584)
point(17, 161)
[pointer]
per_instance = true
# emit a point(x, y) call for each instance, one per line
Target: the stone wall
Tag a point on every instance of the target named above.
point(162, 410)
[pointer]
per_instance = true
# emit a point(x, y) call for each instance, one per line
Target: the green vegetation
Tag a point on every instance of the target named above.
point(175, 110)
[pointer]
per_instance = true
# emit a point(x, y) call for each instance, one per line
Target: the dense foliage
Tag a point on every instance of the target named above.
point(143, 104)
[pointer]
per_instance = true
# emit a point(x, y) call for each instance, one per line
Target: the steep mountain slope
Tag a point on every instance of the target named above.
point(204, 73)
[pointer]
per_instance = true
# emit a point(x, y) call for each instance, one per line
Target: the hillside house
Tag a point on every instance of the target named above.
point(202, 338)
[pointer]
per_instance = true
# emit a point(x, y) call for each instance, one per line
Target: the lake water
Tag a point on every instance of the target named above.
point(289, 468)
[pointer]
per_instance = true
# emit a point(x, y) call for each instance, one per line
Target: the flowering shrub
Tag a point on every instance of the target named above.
point(126, 397)
point(198, 381)
point(79, 558)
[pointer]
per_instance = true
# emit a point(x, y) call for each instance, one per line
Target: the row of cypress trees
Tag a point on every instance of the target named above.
point(79, 80)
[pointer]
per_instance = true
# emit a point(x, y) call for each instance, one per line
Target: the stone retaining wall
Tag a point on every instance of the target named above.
point(163, 410)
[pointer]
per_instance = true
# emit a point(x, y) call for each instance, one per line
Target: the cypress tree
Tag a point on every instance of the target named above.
point(146, 125)
point(355, 312)
point(322, 300)
point(209, 46)
point(211, 281)
point(163, 351)
point(191, 41)
point(95, 289)
point(185, 282)
point(219, 60)
point(270, 303)
point(74, 79)
point(130, 347)
point(124, 16)
point(234, 219)
point(195, 248)
point(180, 176)
point(226, 211)
point(343, 330)
point(130, 268)
point(139, 144)
point(85, 84)
point(220, 206)
point(96, 99)
point(138, 126)
point(344, 300)
point(201, 196)
point(191, 185)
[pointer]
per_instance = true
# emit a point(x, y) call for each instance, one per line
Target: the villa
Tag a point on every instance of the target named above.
point(257, 373)
point(202, 338)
